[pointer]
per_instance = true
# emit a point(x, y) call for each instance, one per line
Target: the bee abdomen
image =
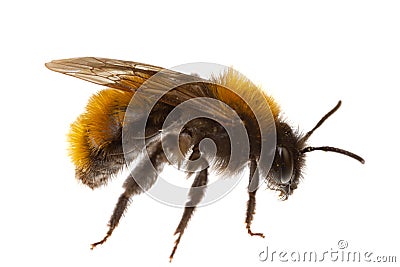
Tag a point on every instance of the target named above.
point(96, 137)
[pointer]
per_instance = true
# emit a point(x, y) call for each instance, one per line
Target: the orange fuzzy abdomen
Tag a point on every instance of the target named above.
point(98, 126)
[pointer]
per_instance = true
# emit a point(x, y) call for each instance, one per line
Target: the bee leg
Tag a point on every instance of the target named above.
point(145, 176)
point(251, 203)
point(196, 194)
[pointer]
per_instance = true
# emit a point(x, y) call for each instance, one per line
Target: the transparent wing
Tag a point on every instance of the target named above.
point(174, 87)
point(118, 74)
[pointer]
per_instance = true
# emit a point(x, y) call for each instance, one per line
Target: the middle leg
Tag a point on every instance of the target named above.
point(196, 194)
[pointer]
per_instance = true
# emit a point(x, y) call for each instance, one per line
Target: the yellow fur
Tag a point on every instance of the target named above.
point(242, 88)
point(79, 150)
point(95, 128)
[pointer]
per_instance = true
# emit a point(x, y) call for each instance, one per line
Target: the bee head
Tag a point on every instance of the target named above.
point(289, 159)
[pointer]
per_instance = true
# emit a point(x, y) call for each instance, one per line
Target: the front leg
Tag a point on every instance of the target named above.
point(251, 204)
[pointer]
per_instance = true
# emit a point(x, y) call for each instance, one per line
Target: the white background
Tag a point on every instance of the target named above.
point(307, 54)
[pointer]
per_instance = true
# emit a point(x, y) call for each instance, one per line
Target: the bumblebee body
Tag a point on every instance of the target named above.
point(97, 136)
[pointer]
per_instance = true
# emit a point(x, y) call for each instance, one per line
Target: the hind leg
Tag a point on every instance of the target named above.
point(145, 176)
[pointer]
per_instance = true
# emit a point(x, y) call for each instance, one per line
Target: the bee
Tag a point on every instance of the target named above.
point(97, 137)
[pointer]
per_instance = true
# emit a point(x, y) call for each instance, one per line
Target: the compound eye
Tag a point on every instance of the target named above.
point(286, 161)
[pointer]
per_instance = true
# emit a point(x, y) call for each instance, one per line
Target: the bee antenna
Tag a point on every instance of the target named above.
point(334, 149)
point(327, 115)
